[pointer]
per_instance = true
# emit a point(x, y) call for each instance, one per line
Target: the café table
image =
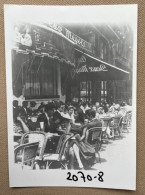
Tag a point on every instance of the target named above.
point(106, 124)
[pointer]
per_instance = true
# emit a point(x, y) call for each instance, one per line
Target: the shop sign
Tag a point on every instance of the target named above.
point(71, 36)
point(85, 69)
point(77, 40)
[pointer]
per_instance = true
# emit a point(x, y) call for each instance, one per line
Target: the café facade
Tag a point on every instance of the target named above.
point(51, 62)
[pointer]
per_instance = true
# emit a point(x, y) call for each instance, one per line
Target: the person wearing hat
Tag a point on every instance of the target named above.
point(57, 116)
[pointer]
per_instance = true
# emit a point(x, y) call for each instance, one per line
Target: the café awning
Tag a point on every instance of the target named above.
point(91, 68)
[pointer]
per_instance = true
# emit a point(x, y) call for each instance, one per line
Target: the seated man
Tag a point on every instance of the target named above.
point(47, 118)
point(57, 116)
point(25, 110)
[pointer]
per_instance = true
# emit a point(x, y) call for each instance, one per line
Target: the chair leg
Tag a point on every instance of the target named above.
point(49, 164)
point(98, 155)
point(64, 165)
point(32, 164)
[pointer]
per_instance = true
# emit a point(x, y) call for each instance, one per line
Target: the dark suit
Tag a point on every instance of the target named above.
point(47, 128)
point(24, 112)
point(57, 117)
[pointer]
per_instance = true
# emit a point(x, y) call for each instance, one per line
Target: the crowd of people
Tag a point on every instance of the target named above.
point(58, 117)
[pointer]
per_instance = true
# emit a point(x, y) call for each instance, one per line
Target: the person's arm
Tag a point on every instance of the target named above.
point(84, 134)
point(24, 126)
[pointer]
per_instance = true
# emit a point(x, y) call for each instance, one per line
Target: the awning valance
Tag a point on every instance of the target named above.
point(91, 68)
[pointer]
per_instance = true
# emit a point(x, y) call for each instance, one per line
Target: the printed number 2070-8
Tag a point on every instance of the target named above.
point(85, 178)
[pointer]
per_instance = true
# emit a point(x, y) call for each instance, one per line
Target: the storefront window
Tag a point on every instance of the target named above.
point(41, 82)
point(85, 90)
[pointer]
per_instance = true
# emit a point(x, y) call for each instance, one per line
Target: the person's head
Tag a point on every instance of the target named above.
point(124, 103)
point(117, 107)
point(32, 104)
point(70, 110)
point(34, 118)
point(49, 109)
point(15, 103)
point(25, 104)
point(60, 106)
point(91, 114)
point(100, 110)
point(94, 108)
point(107, 105)
point(79, 116)
point(97, 104)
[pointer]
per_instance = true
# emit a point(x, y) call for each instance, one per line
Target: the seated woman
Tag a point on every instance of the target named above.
point(71, 114)
point(79, 122)
point(79, 147)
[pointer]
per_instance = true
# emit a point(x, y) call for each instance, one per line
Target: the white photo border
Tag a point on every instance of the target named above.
point(113, 178)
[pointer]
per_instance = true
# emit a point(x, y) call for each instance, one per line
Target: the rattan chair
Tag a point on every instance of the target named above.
point(117, 126)
point(59, 156)
point(36, 136)
point(25, 154)
point(93, 138)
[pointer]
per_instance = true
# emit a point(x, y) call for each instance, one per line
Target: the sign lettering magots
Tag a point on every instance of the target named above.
point(71, 36)
point(77, 40)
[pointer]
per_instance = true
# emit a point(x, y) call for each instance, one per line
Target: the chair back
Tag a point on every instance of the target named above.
point(62, 145)
point(93, 135)
point(105, 124)
point(129, 116)
point(27, 152)
point(36, 136)
point(117, 121)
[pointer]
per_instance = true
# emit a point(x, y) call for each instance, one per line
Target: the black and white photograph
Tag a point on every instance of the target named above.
point(71, 95)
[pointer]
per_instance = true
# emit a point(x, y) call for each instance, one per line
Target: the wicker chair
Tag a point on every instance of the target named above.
point(93, 138)
point(59, 156)
point(26, 153)
point(36, 136)
point(117, 126)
